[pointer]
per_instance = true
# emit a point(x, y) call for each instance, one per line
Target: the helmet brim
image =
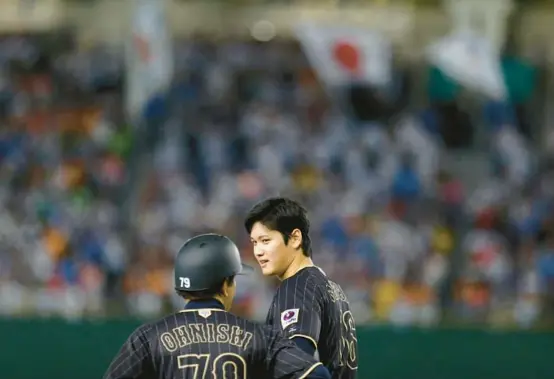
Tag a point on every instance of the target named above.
point(245, 269)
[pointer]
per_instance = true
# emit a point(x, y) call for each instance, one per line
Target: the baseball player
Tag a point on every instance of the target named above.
point(311, 309)
point(203, 340)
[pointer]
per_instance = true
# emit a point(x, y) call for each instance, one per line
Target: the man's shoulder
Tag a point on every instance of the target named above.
point(161, 324)
point(335, 293)
point(143, 334)
point(249, 325)
point(307, 277)
point(310, 285)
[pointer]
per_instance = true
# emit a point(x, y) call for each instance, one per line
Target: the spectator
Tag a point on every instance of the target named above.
point(92, 218)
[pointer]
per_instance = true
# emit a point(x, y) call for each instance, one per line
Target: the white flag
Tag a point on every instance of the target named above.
point(471, 61)
point(149, 57)
point(342, 54)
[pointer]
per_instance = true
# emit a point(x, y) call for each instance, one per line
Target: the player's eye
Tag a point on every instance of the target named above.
point(265, 240)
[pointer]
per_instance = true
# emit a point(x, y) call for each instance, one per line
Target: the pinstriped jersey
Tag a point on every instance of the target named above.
point(310, 305)
point(205, 343)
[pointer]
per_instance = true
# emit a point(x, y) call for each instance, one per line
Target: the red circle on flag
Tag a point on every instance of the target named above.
point(348, 56)
point(142, 47)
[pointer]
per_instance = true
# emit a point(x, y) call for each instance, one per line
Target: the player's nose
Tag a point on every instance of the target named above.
point(258, 252)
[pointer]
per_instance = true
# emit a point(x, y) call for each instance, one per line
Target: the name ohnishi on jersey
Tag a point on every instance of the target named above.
point(205, 333)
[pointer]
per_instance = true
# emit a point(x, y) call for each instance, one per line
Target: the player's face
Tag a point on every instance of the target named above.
point(270, 250)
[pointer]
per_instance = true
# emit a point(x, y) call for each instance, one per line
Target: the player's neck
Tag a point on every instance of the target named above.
point(300, 262)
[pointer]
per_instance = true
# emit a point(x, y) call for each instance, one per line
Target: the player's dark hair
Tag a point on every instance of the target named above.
point(210, 293)
point(283, 215)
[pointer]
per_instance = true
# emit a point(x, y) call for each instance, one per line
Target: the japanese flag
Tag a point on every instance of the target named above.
point(149, 59)
point(471, 61)
point(342, 54)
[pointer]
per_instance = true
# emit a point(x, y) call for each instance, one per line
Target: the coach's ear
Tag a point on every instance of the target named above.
point(227, 288)
point(296, 239)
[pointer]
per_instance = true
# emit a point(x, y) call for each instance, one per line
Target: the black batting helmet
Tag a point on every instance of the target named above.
point(204, 262)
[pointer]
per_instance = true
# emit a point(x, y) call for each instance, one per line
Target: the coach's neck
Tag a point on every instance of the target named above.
point(299, 262)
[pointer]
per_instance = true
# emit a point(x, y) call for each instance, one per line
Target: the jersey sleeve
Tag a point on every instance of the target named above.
point(296, 309)
point(134, 359)
point(283, 359)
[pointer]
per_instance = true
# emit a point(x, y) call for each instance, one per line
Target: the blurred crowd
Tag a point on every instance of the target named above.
point(94, 209)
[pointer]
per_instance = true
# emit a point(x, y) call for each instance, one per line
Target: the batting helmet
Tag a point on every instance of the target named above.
point(204, 261)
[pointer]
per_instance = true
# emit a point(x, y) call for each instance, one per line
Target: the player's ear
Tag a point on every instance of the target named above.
point(227, 288)
point(295, 240)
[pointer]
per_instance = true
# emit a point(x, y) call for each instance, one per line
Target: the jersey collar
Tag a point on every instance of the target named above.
point(204, 304)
